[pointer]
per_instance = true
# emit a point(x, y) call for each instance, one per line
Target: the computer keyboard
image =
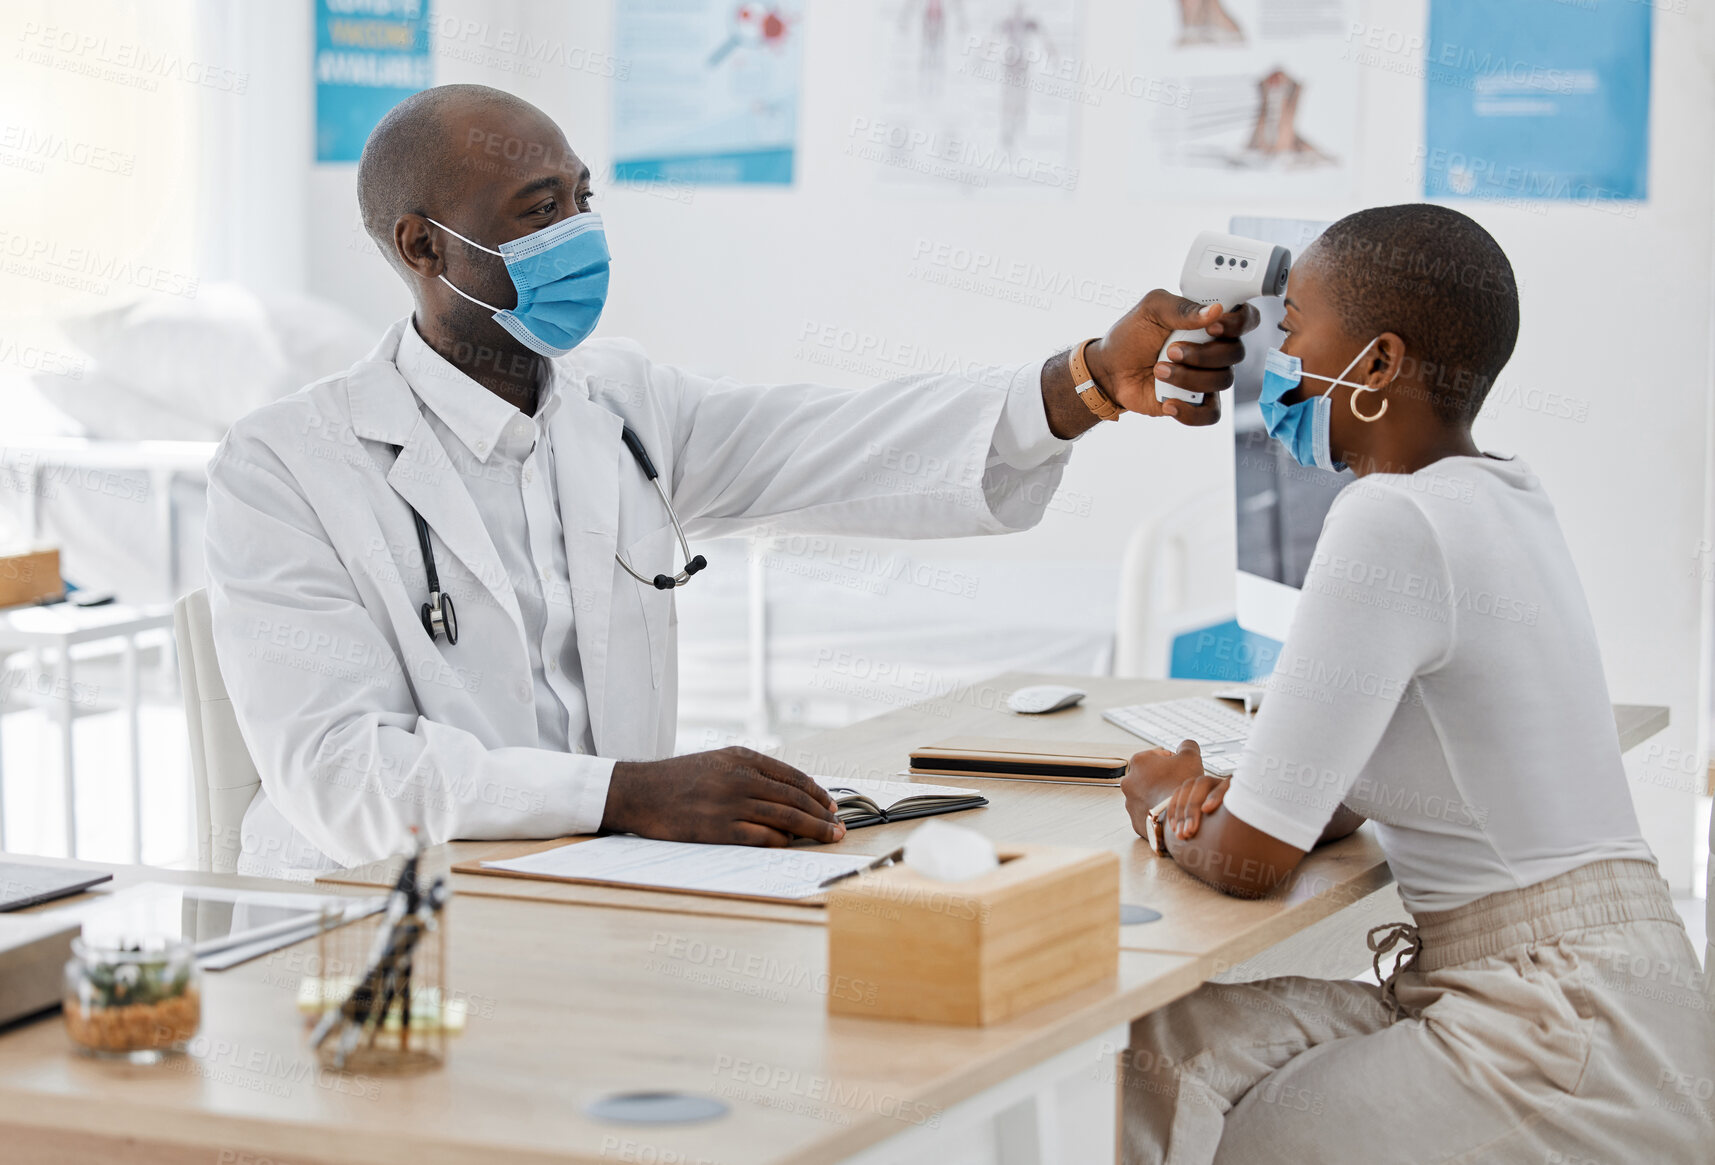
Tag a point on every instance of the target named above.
point(1220, 731)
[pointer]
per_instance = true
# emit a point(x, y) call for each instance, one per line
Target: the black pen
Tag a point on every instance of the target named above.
point(883, 860)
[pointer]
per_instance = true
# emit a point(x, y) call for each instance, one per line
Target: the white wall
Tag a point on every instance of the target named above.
point(254, 148)
point(730, 280)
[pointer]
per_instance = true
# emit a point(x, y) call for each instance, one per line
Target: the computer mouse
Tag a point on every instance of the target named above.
point(1043, 698)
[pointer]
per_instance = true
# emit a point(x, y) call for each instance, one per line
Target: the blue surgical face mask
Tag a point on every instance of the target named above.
point(560, 272)
point(1304, 428)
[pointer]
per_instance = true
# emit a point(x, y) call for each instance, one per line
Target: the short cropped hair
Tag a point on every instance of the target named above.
point(1436, 279)
point(406, 167)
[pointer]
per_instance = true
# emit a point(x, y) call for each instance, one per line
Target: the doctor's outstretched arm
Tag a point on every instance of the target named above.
point(973, 449)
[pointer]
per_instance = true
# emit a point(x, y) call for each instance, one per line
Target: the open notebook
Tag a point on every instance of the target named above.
point(864, 802)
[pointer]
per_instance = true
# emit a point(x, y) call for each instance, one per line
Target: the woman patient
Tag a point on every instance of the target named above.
point(1441, 678)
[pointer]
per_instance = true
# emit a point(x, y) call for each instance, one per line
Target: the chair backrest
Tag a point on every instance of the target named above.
point(1173, 564)
point(224, 777)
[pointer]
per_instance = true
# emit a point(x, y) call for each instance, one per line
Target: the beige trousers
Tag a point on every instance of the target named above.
point(1567, 1023)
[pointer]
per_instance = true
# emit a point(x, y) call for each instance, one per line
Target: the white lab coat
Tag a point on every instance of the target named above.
point(361, 726)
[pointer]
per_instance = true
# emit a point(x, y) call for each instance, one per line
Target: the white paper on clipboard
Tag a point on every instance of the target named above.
point(739, 870)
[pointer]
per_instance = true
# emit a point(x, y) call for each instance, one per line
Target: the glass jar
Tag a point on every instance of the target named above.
point(133, 1000)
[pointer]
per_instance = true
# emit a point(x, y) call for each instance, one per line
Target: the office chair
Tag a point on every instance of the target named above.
point(224, 777)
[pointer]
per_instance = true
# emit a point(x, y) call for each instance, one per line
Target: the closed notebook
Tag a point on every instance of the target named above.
point(861, 802)
point(1068, 761)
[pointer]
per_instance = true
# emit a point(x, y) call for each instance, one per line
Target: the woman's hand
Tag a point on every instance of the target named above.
point(1232, 856)
point(1193, 799)
point(1153, 775)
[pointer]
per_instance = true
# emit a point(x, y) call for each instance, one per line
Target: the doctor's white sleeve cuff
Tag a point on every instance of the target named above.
point(576, 800)
point(1022, 438)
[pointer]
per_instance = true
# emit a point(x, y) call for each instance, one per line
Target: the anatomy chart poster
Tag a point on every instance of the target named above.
point(974, 97)
point(711, 94)
point(1537, 100)
point(1257, 99)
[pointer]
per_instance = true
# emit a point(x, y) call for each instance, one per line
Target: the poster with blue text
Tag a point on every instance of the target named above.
point(710, 90)
point(370, 55)
point(1537, 99)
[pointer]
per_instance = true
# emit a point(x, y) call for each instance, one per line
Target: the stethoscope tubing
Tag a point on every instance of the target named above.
point(666, 582)
point(439, 615)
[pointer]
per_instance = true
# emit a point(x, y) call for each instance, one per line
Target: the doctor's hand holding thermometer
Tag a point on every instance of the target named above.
point(1129, 368)
point(1226, 271)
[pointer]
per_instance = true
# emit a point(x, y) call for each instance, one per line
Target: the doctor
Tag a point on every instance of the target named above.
point(543, 702)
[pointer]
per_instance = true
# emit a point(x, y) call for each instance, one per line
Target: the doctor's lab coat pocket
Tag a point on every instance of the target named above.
point(650, 555)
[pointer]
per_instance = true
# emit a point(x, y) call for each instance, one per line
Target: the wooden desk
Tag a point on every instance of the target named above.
point(567, 1006)
point(1221, 933)
point(1218, 930)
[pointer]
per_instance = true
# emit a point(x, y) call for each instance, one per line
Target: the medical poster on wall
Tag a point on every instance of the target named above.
point(1257, 99)
point(710, 94)
point(1537, 99)
point(974, 97)
point(370, 55)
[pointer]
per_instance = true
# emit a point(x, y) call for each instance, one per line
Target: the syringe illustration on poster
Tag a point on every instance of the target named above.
point(710, 92)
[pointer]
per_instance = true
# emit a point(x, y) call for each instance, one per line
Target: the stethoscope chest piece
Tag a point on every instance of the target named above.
point(439, 617)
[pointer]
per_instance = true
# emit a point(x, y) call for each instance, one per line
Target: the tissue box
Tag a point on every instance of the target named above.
point(30, 578)
point(1045, 924)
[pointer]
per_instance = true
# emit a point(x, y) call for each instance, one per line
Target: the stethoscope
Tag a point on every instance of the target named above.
point(439, 617)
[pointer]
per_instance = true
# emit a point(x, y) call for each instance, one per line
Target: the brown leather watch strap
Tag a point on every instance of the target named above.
point(1088, 390)
point(1155, 823)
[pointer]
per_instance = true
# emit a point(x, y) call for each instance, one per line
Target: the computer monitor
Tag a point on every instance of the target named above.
point(1278, 504)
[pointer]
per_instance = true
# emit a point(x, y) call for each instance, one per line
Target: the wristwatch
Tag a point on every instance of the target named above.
point(1155, 827)
point(1088, 390)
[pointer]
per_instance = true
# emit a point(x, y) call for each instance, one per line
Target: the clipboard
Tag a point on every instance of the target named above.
point(757, 856)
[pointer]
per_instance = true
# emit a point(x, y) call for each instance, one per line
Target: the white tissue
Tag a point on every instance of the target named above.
point(949, 853)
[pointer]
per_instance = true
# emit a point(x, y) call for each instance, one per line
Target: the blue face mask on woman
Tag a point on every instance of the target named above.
point(561, 274)
point(1304, 428)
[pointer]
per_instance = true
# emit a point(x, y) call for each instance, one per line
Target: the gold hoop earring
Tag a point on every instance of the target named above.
point(1353, 405)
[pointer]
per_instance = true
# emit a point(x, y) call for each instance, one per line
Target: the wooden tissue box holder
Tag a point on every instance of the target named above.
point(903, 946)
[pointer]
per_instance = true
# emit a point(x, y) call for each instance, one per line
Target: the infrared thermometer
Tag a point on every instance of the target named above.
point(1228, 270)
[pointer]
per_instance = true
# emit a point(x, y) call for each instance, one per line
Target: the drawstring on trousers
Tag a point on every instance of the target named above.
point(1396, 933)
